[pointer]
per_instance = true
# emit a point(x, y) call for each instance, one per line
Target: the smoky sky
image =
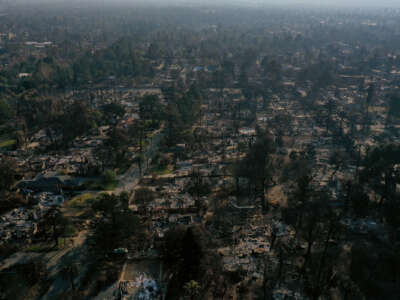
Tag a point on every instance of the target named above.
point(356, 3)
point(348, 3)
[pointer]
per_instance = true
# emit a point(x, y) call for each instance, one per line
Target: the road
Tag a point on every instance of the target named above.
point(129, 180)
point(55, 259)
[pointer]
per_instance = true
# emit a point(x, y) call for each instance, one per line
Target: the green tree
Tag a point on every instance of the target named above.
point(53, 225)
point(394, 106)
point(192, 289)
point(380, 171)
point(258, 167)
point(150, 108)
point(109, 177)
point(8, 167)
point(144, 196)
point(174, 125)
point(117, 224)
point(106, 204)
point(70, 273)
point(34, 271)
point(5, 111)
point(112, 111)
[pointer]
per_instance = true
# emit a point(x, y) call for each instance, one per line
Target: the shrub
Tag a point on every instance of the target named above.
point(109, 176)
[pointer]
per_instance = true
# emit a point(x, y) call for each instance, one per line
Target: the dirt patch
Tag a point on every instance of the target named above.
point(276, 196)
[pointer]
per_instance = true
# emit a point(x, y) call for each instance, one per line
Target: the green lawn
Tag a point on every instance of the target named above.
point(110, 186)
point(49, 246)
point(82, 200)
point(163, 171)
point(43, 247)
point(7, 143)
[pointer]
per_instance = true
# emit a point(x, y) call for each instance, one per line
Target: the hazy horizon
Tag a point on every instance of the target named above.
point(317, 3)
